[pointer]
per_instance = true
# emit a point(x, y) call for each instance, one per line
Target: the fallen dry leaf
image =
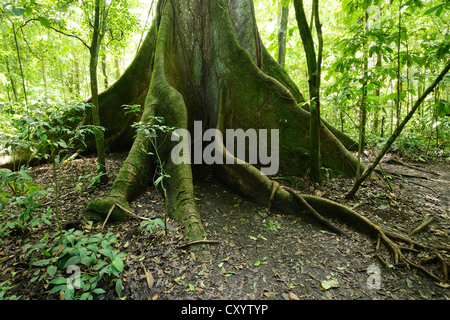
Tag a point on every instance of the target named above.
point(148, 277)
point(293, 296)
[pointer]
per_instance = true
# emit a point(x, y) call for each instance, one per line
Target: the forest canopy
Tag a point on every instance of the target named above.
point(407, 43)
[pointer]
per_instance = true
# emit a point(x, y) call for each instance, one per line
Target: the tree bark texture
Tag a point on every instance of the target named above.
point(204, 61)
point(283, 19)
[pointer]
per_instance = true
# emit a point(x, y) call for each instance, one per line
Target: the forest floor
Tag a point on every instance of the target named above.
point(259, 255)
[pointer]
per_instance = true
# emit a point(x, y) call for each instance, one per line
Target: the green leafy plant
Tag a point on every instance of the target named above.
point(132, 109)
point(54, 131)
point(4, 288)
point(20, 200)
point(94, 256)
point(151, 129)
point(151, 225)
point(272, 226)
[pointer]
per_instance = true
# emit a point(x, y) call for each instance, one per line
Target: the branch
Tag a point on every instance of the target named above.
point(29, 48)
point(59, 31)
point(396, 133)
point(72, 36)
point(113, 38)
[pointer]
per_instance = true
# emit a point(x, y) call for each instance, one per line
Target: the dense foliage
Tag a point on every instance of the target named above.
point(404, 45)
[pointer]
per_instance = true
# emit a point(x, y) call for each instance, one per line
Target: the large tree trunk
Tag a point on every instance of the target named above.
point(200, 68)
point(204, 61)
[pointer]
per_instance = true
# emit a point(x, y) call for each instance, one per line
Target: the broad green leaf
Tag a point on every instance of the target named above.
point(69, 294)
point(106, 252)
point(51, 270)
point(119, 287)
point(59, 280)
point(62, 144)
point(18, 11)
point(431, 10)
point(86, 296)
point(98, 290)
point(86, 261)
point(118, 263)
point(42, 262)
point(100, 264)
point(44, 22)
point(72, 261)
point(62, 287)
point(159, 222)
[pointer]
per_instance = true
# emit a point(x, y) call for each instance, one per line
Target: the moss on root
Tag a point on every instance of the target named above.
point(113, 209)
point(229, 88)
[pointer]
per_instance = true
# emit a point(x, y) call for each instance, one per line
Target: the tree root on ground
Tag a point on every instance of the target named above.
point(313, 212)
point(249, 182)
point(389, 238)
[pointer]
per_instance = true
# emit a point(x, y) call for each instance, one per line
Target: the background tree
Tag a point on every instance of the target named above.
point(283, 18)
point(314, 71)
point(103, 17)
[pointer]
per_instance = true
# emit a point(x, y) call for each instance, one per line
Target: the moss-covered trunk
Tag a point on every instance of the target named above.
point(204, 61)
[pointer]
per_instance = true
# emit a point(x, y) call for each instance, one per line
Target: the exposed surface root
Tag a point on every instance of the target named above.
point(415, 246)
point(247, 180)
point(110, 209)
point(317, 216)
point(388, 238)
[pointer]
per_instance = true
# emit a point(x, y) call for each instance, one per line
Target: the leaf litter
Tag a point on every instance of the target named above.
point(297, 261)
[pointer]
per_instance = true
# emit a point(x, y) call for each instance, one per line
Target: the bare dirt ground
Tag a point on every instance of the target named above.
point(259, 255)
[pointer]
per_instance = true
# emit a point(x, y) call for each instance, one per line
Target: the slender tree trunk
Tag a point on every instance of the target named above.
point(391, 111)
point(399, 80)
point(397, 132)
point(105, 71)
point(283, 18)
point(11, 79)
point(19, 58)
point(363, 108)
point(93, 62)
point(408, 85)
point(314, 81)
point(315, 120)
point(376, 118)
